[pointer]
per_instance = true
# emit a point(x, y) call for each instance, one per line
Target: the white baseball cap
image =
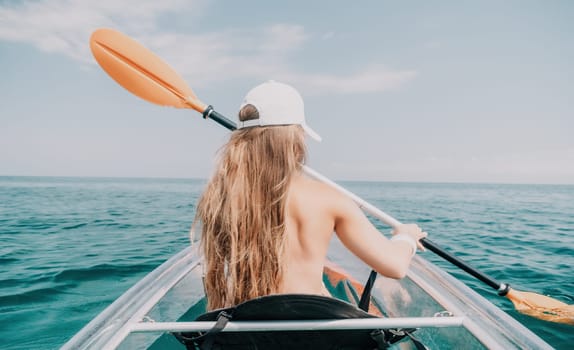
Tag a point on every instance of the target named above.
point(277, 104)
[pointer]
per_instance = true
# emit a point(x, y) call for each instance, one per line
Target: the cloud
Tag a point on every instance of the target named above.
point(328, 35)
point(376, 78)
point(230, 54)
point(64, 26)
point(552, 165)
point(262, 54)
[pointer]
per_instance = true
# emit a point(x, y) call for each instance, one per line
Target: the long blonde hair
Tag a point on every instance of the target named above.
point(242, 212)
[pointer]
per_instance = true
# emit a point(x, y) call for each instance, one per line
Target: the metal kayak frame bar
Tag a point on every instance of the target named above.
point(315, 325)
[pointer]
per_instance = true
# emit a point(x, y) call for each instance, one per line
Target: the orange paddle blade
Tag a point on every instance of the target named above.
point(542, 307)
point(140, 71)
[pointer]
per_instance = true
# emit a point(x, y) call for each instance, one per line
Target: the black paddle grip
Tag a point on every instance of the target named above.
point(210, 113)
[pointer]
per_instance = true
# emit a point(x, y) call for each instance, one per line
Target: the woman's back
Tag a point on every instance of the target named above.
point(310, 224)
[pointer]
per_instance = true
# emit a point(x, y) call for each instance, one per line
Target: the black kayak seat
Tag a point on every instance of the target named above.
point(286, 307)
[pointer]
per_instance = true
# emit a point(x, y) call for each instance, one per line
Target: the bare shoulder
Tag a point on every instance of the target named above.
point(313, 187)
point(318, 192)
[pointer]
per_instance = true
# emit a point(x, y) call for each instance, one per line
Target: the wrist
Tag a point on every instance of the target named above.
point(408, 239)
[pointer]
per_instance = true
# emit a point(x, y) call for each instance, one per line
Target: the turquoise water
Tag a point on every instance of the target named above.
point(70, 246)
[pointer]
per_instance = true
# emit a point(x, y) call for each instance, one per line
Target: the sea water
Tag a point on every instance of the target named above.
point(71, 246)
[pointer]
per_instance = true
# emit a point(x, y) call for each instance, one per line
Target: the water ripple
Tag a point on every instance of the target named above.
point(102, 271)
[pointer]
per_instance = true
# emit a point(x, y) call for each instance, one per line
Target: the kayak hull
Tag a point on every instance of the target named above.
point(447, 312)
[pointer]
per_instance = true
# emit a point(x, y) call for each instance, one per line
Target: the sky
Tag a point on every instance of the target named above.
point(449, 91)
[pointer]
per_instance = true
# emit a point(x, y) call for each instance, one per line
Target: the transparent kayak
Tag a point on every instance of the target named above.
point(445, 312)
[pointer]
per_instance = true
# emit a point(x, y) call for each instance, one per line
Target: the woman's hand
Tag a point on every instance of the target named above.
point(413, 231)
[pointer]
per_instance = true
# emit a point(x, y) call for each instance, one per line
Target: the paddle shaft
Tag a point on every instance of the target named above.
point(210, 113)
point(502, 288)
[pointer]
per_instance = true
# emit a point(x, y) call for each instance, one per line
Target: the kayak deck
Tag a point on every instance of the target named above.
point(446, 311)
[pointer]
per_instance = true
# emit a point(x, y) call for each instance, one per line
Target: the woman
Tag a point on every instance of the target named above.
point(265, 226)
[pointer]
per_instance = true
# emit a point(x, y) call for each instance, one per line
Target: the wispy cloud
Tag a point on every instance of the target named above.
point(64, 26)
point(230, 54)
point(375, 78)
point(552, 165)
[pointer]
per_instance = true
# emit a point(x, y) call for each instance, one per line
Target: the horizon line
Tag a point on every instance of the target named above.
point(110, 177)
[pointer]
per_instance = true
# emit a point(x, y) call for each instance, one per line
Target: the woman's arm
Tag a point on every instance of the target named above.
point(387, 257)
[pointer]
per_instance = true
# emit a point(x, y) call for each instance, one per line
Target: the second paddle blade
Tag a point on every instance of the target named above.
point(542, 307)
